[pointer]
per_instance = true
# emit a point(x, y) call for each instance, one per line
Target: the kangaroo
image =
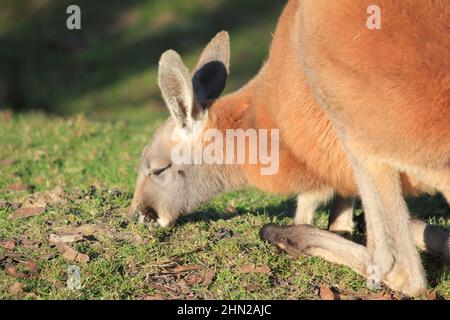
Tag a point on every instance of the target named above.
point(312, 159)
point(387, 94)
point(341, 216)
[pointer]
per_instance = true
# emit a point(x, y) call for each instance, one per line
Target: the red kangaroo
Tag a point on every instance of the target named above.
point(359, 112)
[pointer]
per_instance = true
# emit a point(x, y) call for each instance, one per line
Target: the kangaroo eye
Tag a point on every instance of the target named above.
point(158, 171)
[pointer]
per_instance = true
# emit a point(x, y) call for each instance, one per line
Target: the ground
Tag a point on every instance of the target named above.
point(78, 110)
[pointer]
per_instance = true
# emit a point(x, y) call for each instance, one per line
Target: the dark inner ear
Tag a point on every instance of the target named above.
point(209, 82)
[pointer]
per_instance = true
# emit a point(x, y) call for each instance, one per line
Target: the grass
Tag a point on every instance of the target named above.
point(79, 108)
point(77, 153)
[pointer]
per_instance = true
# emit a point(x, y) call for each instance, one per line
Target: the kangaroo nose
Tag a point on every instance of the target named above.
point(144, 215)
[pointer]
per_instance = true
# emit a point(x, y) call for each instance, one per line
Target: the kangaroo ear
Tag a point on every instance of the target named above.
point(175, 83)
point(211, 73)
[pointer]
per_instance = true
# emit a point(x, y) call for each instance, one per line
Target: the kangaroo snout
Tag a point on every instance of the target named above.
point(142, 213)
point(145, 215)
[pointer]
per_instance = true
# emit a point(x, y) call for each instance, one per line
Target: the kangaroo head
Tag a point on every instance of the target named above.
point(165, 187)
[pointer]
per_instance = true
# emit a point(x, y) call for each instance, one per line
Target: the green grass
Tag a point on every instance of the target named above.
point(81, 107)
point(77, 153)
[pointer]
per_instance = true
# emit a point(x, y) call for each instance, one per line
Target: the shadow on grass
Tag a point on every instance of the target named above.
point(44, 66)
point(285, 209)
point(424, 207)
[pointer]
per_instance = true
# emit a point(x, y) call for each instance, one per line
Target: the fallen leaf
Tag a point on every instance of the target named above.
point(252, 268)
point(194, 280)
point(95, 230)
point(431, 295)
point(382, 295)
point(263, 269)
point(208, 278)
point(251, 288)
point(161, 287)
point(186, 268)
point(65, 238)
point(157, 296)
point(25, 213)
point(19, 186)
point(247, 268)
point(8, 244)
point(27, 243)
point(34, 201)
point(8, 162)
point(13, 257)
point(30, 267)
point(16, 289)
point(184, 289)
point(326, 293)
point(71, 254)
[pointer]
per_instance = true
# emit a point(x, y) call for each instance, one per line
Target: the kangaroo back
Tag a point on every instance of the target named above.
point(399, 74)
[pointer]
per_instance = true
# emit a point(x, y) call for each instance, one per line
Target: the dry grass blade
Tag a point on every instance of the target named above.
point(187, 268)
point(252, 268)
point(71, 254)
point(65, 238)
point(25, 213)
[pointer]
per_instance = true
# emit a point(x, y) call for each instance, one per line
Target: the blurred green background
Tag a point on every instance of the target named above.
point(107, 69)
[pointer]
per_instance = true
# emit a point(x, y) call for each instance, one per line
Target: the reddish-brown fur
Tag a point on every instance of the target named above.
point(359, 112)
point(311, 156)
point(379, 98)
point(401, 74)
